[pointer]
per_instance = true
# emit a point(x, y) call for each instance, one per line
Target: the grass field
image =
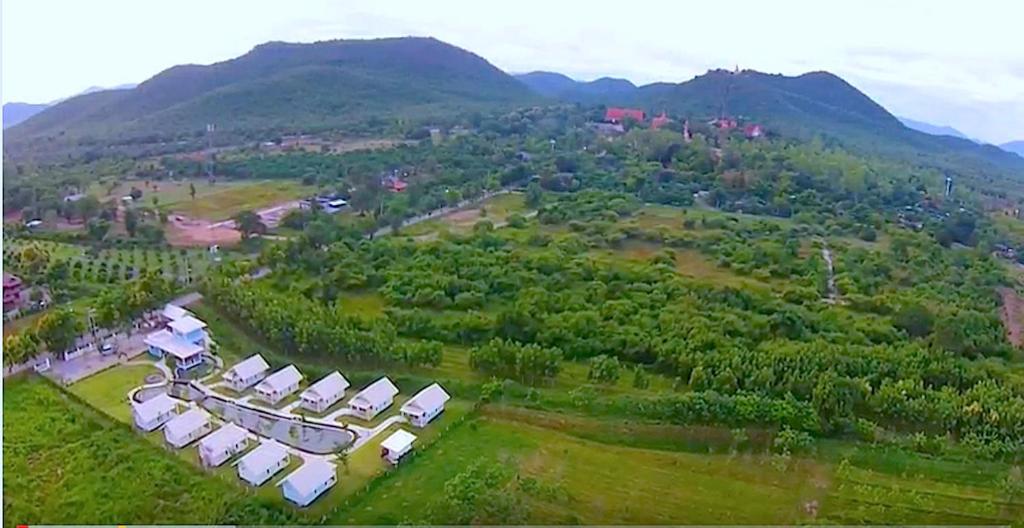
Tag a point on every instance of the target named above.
point(66, 464)
point(212, 202)
point(689, 263)
point(614, 482)
point(108, 390)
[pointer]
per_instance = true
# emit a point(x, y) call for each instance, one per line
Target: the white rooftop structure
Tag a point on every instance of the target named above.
point(154, 407)
point(327, 386)
point(186, 324)
point(281, 379)
point(225, 437)
point(399, 441)
point(189, 421)
point(427, 399)
point(251, 366)
point(379, 391)
point(261, 463)
point(172, 344)
point(173, 313)
point(309, 481)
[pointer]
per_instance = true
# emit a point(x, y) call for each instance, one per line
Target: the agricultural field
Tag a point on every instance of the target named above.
point(106, 266)
point(217, 201)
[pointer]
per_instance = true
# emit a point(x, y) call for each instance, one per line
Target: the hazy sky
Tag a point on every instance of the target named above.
point(945, 62)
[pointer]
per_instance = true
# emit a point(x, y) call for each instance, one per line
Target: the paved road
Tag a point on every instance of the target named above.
point(437, 213)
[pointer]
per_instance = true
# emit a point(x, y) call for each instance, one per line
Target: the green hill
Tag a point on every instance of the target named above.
point(812, 105)
point(281, 86)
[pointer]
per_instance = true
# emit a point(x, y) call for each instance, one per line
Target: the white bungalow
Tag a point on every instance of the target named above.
point(222, 444)
point(247, 373)
point(279, 384)
point(186, 428)
point(394, 447)
point(425, 405)
point(154, 412)
point(308, 482)
point(324, 393)
point(378, 396)
point(261, 463)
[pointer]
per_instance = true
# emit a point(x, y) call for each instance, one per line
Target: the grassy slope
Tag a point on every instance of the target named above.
point(213, 202)
point(65, 464)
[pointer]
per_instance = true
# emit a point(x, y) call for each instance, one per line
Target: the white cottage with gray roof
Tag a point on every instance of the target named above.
point(376, 397)
point(278, 385)
point(154, 412)
point(325, 392)
point(186, 428)
point(257, 466)
point(247, 373)
point(308, 482)
point(425, 405)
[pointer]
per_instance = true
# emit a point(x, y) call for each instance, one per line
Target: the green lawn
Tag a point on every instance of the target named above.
point(218, 201)
point(108, 390)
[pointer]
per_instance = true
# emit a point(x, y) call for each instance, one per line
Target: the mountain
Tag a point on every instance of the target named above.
point(935, 130)
point(558, 86)
point(281, 87)
point(813, 105)
point(1017, 147)
point(14, 113)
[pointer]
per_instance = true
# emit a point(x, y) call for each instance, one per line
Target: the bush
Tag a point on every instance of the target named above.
point(789, 441)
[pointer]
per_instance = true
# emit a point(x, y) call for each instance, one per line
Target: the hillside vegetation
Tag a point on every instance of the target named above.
point(280, 86)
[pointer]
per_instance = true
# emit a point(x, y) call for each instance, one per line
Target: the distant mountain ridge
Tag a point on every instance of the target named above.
point(16, 112)
point(281, 85)
point(559, 86)
point(935, 130)
point(1017, 147)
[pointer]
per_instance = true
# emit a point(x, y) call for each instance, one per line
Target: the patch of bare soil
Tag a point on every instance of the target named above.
point(184, 232)
point(1011, 312)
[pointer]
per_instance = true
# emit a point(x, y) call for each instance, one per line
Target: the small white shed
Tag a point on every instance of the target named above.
point(308, 482)
point(325, 392)
point(425, 405)
point(276, 386)
point(257, 466)
point(247, 373)
point(394, 447)
point(154, 412)
point(370, 401)
point(222, 444)
point(186, 428)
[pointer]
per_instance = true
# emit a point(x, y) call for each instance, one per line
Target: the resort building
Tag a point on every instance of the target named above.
point(326, 392)
point(154, 412)
point(378, 396)
point(309, 482)
point(247, 373)
point(222, 444)
point(257, 466)
point(425, 405)
point(278, 385)
point(186, 428)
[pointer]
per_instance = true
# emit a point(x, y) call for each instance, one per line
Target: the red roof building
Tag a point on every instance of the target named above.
point(753, 131)
point(618, 115)
point(15, 293)
point(393, 183)
point(660, 121)
point(724, 123)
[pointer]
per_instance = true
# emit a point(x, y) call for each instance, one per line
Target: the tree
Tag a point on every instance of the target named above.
point(249, 223)
point(131, 221)
point(640, 379)
point(914, 319)
point(604, 369)
point(192, 190)
point(97, 228)
point(534, 195)
point(58, 329)
point(480, 495)
point(19, 348)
